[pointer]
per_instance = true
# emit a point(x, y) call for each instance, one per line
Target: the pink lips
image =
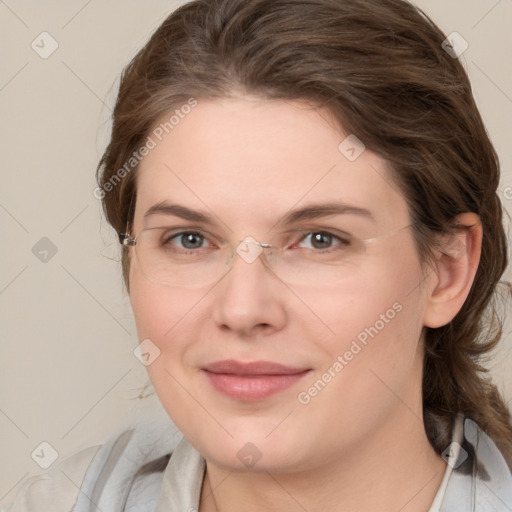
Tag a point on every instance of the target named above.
point(251, 381)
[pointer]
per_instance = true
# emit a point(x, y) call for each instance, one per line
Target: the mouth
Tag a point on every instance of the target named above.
point(252, 381)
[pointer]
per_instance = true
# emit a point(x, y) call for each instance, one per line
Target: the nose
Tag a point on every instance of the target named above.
point(250, 299)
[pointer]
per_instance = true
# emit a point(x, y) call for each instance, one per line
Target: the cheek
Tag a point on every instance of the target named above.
point(158, 309)
point(161, 314)
point(150, 308)
point(174, 319)
point(375, 316)
point(375, 323)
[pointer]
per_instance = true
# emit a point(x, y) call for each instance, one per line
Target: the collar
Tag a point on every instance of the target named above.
point(476, 479)
point(480, 479)
point(182, 480)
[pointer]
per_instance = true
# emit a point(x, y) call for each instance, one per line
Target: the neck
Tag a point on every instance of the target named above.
point(391, 471)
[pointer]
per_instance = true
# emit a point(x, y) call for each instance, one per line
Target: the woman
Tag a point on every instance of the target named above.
point(305, 195)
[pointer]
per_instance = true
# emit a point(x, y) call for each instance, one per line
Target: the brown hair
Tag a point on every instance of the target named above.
point(380, 68)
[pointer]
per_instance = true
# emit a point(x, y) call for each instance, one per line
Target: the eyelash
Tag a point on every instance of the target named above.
point(180, 234)
point(341, 241)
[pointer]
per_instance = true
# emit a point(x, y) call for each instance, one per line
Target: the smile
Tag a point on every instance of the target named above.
point(252, 381)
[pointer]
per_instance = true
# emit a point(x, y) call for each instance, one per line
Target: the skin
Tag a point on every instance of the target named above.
point(360, 443)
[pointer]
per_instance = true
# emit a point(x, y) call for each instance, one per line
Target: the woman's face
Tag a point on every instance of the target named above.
point(346, 328)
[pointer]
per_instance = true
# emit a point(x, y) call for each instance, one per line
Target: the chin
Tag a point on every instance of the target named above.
point(251, 449)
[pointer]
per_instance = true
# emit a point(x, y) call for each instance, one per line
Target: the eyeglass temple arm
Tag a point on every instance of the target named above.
point(126, 239)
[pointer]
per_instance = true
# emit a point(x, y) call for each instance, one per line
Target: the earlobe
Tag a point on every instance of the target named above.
point(456, 267)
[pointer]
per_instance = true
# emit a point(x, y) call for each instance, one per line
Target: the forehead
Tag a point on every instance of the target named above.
point(254, 160)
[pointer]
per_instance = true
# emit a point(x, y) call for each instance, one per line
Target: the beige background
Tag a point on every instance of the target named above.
point(68, 374)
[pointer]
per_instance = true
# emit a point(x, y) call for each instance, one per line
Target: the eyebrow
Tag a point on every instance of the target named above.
point(313, 211)
point(316, 211)
point(177, 210)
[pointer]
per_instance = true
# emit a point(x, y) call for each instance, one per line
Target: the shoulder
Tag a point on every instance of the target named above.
point(478, 476)
point(124, 468)
point(57, 489)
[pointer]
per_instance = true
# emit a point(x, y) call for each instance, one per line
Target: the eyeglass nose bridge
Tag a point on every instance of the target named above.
point(249, 249)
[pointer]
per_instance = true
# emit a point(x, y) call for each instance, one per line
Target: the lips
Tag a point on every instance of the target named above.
point(251, 381)
point(252, 369)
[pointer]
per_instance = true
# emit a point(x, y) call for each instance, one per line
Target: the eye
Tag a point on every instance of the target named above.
point(323, 240)
point(187, 240)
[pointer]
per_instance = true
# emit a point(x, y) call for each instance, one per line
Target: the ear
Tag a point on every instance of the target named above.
point(455, 270)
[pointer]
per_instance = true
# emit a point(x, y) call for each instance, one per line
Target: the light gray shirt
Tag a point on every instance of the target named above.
point(476, 479)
